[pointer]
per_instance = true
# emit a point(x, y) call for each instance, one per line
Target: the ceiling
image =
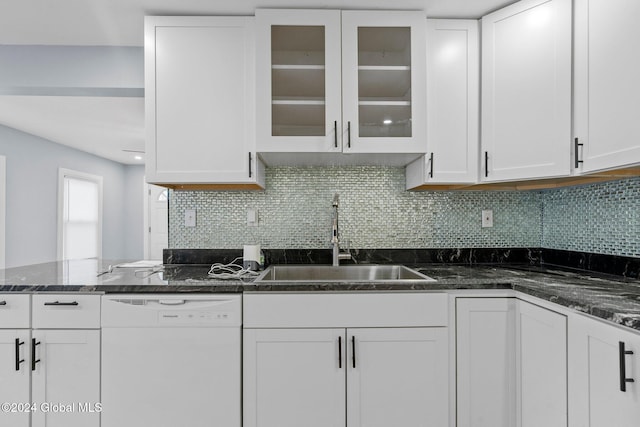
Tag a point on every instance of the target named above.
point(106, 125)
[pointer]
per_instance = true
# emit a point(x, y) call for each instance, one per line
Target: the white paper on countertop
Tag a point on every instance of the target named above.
point(145, 263)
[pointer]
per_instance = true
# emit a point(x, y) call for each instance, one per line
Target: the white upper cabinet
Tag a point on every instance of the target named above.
point(526, 91)
point(383, 81)
point(453, 79)
point(200, 107)
point(607, 84)
point(332, 81)
point(298, 80)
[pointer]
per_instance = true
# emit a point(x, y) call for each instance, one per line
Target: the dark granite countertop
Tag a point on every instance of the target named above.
point(612, 298)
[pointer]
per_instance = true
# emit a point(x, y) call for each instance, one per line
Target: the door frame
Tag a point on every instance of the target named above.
point(3, 210)
point(146, 200)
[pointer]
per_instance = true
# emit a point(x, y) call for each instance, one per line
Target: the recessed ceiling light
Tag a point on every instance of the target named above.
point(138, 157)
point(387, 121)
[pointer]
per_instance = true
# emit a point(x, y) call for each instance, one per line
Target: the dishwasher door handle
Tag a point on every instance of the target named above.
point(172, 301)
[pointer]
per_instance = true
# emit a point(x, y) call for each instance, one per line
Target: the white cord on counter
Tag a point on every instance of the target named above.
point(230, 271)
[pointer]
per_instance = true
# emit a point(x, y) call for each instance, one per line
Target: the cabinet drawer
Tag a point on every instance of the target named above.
point(14, 311)
point(320, 310)
point(66, 311)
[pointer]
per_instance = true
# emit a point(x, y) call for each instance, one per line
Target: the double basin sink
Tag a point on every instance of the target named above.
point(348, 273)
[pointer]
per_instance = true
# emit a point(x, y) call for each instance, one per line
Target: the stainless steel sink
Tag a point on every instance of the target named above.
point(346, 273)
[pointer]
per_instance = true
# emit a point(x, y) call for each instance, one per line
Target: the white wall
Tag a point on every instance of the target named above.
point(31, 199)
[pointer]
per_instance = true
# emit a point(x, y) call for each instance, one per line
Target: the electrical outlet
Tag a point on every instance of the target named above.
point(190, 218)
point(487, 218)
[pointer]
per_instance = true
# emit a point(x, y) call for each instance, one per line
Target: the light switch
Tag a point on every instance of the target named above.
point(252, 217)
point(190, 218)
point(487, 218)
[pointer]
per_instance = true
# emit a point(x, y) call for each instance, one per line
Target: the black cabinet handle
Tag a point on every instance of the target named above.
point(58, 303)
point(576, 144)
point(349, 134)
point(486, 164)
point(250, 165)
point(3, 303)
point(18, 360)
point(339, 352)
point(431, 166)
point(34, 343)
point(353, 350)
point(623, 368)
point(335, 133)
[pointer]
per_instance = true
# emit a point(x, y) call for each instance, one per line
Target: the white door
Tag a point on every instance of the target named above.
point(453, 88)
point(486, 362)
point(168, 377)
point(541, 363)
point(526, 91)
point(200, 108)
point(3, 209)
point(597, 370)
point(607, 89)
point(298, 90)
point(397, 377)
point(15, 370)
point(383, 82)
point(294, 377)
point(67, 372)
point(158, 220)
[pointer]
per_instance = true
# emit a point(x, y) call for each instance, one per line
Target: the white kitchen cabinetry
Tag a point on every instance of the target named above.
point(15, 356)
point(200, 101)
point(526, 91)
point(453, 79)
point(541, 367)
point(606, 85)
point(599, 371)
point(50, 355)
point(512, 364)
point(369, 100)
point(486, 362)
point(65, 359)
point(320, 374)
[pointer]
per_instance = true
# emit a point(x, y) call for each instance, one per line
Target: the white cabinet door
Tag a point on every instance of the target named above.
point(397, 377)
point(596, 376)
point(541, 366)
point(195, 381)
point(383, 82)
point(526, 91)
point(453, 80)
point(67, 372)
point(606, 86)
point(486, 362)
point(200, 106)
point(298, 81)
point(15, 370)
point(294, 377)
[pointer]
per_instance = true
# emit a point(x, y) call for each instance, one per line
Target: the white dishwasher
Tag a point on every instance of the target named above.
point(171, 360)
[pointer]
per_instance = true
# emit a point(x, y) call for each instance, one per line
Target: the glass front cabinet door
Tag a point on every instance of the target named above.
point(384, 81)
point(341, 81)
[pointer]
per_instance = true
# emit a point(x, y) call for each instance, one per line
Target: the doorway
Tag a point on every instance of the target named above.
point(157, 231)
point(3, 208)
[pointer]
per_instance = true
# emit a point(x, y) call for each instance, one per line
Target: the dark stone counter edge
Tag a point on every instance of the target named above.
point(606, 314)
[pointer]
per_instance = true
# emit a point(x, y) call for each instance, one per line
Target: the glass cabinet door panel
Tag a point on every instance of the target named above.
point(298, 80)
point(384, 82)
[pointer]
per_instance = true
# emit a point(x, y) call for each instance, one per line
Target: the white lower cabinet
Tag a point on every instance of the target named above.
point(66, 376)
point(346, 359)
point(604, 358)
point(389, 376)
point(50, 360)
point(512, 364)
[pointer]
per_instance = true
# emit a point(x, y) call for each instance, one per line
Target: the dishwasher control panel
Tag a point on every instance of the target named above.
point(193, 317)
point(155, 311)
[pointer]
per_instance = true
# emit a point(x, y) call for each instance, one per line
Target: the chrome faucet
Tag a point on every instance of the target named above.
point(335, 236)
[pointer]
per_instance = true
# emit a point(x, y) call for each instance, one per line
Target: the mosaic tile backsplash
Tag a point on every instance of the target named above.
point(598, 218)
point(375, 212)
